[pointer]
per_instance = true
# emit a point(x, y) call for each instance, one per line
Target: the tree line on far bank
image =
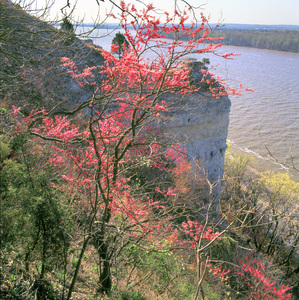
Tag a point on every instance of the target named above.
point(281, 40)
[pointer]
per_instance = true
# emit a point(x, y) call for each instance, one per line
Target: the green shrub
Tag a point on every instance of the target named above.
point(31, 214)
point(131, 295)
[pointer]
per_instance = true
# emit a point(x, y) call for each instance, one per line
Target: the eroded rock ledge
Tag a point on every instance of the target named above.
point(200, 123)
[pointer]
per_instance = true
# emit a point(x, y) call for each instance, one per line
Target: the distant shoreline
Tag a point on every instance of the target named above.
point(268, 37)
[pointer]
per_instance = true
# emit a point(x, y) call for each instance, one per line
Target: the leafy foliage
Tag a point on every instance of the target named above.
point(280, 185)
point(31, 213)
point(268, 221)
point(121, 42)
point(67, 26)
point(67, 31)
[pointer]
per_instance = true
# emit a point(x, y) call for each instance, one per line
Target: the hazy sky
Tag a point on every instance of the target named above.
point(231, 11)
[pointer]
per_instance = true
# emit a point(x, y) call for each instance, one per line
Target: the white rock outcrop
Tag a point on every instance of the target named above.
point(200, 123)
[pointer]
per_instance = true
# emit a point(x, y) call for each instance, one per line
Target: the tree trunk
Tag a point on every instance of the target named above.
point(74, 279)
point(101, 246)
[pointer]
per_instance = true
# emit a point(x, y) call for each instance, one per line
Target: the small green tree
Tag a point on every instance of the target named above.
point(68, 31)
point(205, 61)
point(120, 41)
point(66, 25)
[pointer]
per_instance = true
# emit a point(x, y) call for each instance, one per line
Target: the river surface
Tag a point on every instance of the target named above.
point(267, 118)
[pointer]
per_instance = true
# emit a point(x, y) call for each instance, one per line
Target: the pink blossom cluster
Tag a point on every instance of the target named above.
point(197, 232)
point(259, 282)
point(81, 78)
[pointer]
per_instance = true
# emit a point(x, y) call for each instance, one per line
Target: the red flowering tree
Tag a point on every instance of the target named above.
point(95, 154)
point(253, 279)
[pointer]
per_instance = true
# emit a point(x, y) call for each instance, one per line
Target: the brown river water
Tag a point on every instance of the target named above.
point(269, 116)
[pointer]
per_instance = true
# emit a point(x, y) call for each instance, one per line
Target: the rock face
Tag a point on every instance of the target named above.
point(200, 124)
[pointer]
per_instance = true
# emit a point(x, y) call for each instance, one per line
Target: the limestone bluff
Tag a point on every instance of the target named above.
point(200, 122)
